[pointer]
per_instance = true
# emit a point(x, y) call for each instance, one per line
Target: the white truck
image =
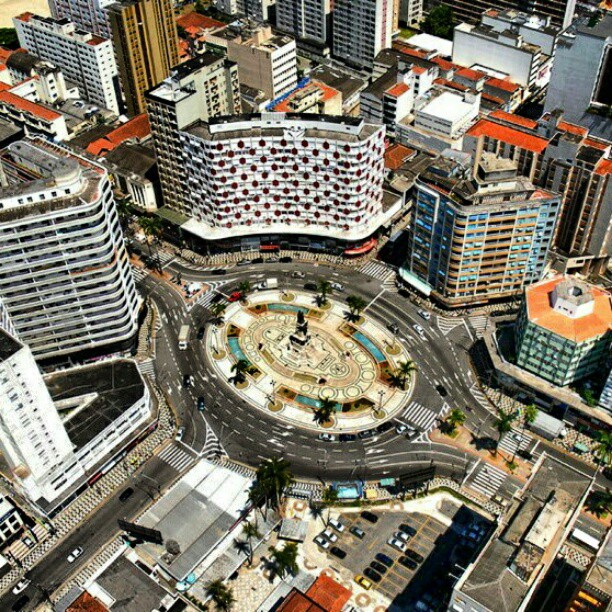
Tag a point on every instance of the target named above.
point(183, 337)
point(269, 283)
point(547, 426)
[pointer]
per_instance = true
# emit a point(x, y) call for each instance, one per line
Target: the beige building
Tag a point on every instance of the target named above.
point(146, 46)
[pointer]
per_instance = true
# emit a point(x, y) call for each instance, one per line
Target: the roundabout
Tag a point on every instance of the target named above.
point(313, 365)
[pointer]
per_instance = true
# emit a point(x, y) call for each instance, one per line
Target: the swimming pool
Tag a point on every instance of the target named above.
point(370, 347)
point(348, 491)
point(313, 402)
point(234, 344)
point(287, 308)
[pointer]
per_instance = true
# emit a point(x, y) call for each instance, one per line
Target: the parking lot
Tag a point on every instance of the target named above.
point(443, 547)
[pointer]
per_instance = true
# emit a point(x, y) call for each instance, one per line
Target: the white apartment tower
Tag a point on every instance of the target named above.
point(305, 19)
point(33, 439)
point(65, 279)
point(362, 28)
point(85, 58)
point(199, 89)
point(88, 15)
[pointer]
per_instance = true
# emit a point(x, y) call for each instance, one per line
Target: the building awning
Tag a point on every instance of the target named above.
point(413, 281)
point(387, 482)
point(269, 247)
point(364, 248)
point(172, 216)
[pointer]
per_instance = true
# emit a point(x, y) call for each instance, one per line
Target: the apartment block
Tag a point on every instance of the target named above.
point(260, 10)
point(145, 39)
point(87, 15)
point(84, 58)
point(305, 19)
point(410, 11)
point(65, 279)
point(362, 28)
point(564, 330)
point(199, 89)
point(474, 239)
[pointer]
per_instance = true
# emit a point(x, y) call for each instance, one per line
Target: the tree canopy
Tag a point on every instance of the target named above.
point(439, 22)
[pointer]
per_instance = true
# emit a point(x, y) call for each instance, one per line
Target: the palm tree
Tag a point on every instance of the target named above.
point(325, 289)
point(503, 424)
point(599, 502)
point(356, 305)
point(274, 476)
point(152, 229)
point(455, 418)
point(217, 309)
point(530, 413)
point(240, 368)
point(323, 412)
point(330, 497)
point(124, 210)
point(221, 595)
point(245, 288)
point(285, 559)
point(257, 496)
point(250, 531)
point(404, 372)
point(603, 450)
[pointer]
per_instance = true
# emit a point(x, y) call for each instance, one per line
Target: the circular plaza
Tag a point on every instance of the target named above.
point(311, 364)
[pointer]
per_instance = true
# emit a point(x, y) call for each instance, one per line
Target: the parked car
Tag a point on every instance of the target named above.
point(372, 575)
point(397, 544)
point(200, 334)
point(358, 533)
point(337, 525)
point(400, 428)
point(400, 535)
point(378, 567)
point(411, 531)
point(424, 314)
point(363, 435)
point(188, 380)
point(406, 562)
point(347, 437)
point(273, 259)
point(337, 552)
point(179, 434)
point(21, 586)
point(322, 542)
point(286, 259)
point(75, 554)
point(394, 328)
point(298, 274)
point(257, 260)
point(330, 535)
point(310, 286)
point(442, 391)
point(219, 271)
point(364, 583)
point(383, 427)
point(126, 494)
point(384, 559)
point(415, 556)
point(243, 262)
point(337, 286)
point(369, 516)
point(234, 296)
point(201, 404)
point(327, 437)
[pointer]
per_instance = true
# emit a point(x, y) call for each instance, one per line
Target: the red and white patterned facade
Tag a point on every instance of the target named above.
point(288, 174)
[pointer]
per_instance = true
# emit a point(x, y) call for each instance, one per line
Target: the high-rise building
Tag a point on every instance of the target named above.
point(476, 239)
point(561, 12)
point(86, 59)
point(584, 58)
point(145, 39)
point(87, 15)
point(260, 10)
point(32, 438)
point(411, 11)
point(197, 90)
point(65, 279)
point(564, 330)
point(362, 28)
point(305, 19)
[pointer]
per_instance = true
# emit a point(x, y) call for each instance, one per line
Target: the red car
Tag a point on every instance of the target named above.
point(234, 297)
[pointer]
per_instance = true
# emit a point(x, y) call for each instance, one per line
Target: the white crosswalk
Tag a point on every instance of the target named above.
point(139, 273)
point(377, 270)
point(479, 324)
point(165, 258)
point(515, 441)
point(488, 480)
point(176, 457)
point(147, 368)
point(480, 397)
point(212, 446)
point(420, 417)
point(446, 325)
point(205, 300)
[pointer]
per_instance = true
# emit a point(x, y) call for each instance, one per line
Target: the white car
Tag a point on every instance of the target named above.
point(22, 585)
point(179, 434)
point(397, 544)
point(400, 428)
point(298, 274)
point(330, 535)
point(400, 535)
point(337, 525)
point(322, 542)
point(426, 315)
point(419, 330)
point(337, 286)
point(75, 554)
point(327, 437)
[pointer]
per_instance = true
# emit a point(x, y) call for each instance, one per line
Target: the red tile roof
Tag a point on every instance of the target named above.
point(451, 84)
point(408, 50)
point(472, 75)
point(298, 602)
point(493, 99)
point(29, 107)
point(503, 84)
point(6, 53)
point(86, 603)
point(515, 119)
point(96, 40)
point(571, 128)
point(419, 69)
point(396, 155)
point(603, 167)
point(25, 16)
point(201, 22)
point(398, 89)
point(138, 127)
point(507, 134)
point(579, 329)
point(596, 144)
point(330, 595)
point(444, 64)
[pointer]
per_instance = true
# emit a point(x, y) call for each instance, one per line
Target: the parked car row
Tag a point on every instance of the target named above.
point(400, 428)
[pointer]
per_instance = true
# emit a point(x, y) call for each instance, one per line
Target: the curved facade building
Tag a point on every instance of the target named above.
point(65, 278)
point(284, 174)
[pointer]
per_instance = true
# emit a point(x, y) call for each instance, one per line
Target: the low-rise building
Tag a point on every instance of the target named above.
point(564, 330)
point(448, 114)
point(349, 86)
point(11, 522)
point(311, 97)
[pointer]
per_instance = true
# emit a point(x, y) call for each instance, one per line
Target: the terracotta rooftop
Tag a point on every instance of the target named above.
point(507, 134)
point(25, 16)
point(86, 603)
point(138, 127)
point(396, 155)
point(408, 50)
point(397, 90)
point(452, 84)
point(29, 107)
point(327, 93)
point(579, 329)
point(330, 595)
point(596, 144)
point(298, 602)
point(571, 128)
point(604, 166)
point(96, 40)
point(515, 119)
point(444, 64)
point(6, 53)
point(201, 22)
point(502, 84)
point(472, 75)
point(493, 99)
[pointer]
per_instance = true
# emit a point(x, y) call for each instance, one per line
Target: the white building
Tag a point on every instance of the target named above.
point(256, 9)
point(65, 278)
point(305, 19)
point(86, 59)
point(88, 15)
point(448, 114)
point(283, 174)
point(411, 11)
point(362, 28)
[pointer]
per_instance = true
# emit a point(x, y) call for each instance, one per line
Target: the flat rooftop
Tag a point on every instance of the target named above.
point(90, 398)
point(448, 106)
